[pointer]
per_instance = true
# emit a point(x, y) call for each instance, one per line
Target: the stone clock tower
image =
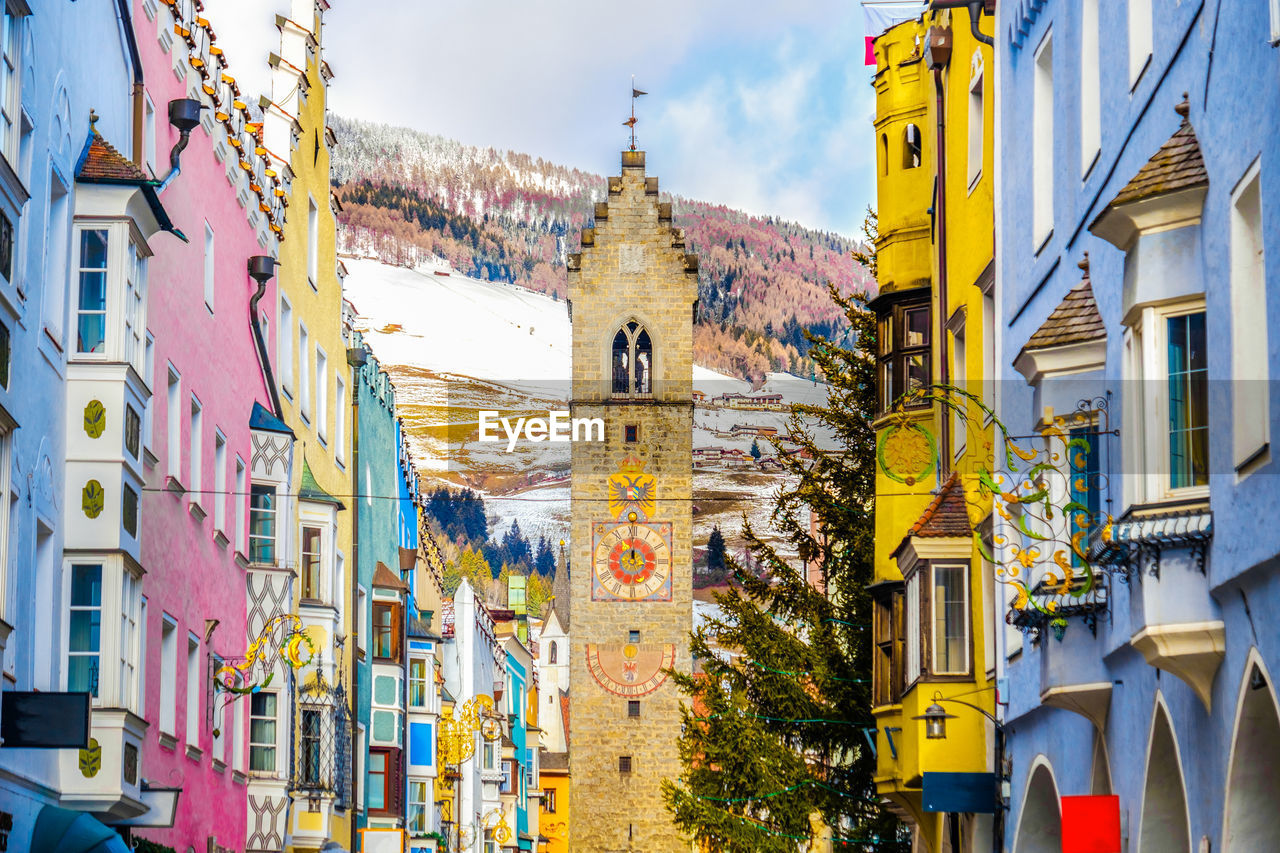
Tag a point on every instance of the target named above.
point(631, 299)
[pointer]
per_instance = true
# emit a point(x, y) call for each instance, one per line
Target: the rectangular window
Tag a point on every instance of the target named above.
point(149, 376)
point(989, 347)
point(135, 308)
point(490, 757)
point(209, 267)
point(284, 345)
point(239, 499)
point(149, 133)
point(632, 433)
point(950, 600)
point(624, 763)
point(309, 745)
point(959, 378)
point(131, 602)
point(173, 424)
point(1188, 401)
point(10, 100)
point(322, 395)
point(141, 698)
point(510, 772)
point(54, 300)
point(168, 676)
point(304, 374)
point(91, 303)
point(233, 722)
point(195, 687)
point(418, 807)
point(311, 563)
point(219, 745)
point(219, 481)
point(977, 126)
point(361, 621)
point(904, 339)
point(549, 800)
point(197, 445)
point(129, 510)
point(313, 241)
point(85, 641)
point(913, 628)
point(417, 683)
point(262, 732)
point(377, 798)
point(1140, 38)
point(132, 431)
point(339, 420)
point(1042, 160)
point(1249, 354)
point(1090, 87)
point(385, 635)
point(262, 524)
point(633, 707)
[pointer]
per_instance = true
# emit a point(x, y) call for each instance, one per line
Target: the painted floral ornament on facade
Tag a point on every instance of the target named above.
point(95, 418)
point(1042, 493)
point(92, 499)
point(906, 452)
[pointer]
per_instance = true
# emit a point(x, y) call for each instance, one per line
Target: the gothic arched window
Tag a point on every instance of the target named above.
point(553, 653)
point(632, 361)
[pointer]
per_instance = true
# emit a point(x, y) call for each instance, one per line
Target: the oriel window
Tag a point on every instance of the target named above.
point(903, 346)
point(262, 525)
point(311, 563)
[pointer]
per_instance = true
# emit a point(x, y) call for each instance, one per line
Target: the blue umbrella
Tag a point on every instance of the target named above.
point(61, 830)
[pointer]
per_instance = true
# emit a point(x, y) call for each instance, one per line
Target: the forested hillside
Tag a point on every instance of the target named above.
point(503, 216)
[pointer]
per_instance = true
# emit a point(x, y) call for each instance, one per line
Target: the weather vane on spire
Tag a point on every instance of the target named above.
point(631, 122)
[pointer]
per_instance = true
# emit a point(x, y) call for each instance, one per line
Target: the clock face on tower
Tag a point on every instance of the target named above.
point(631, 560)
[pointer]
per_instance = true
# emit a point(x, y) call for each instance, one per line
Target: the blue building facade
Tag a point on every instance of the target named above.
point(1138, 255)
point(49, 85)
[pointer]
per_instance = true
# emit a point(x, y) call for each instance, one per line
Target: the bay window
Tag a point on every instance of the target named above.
point(111, 293)
point(903, 344)
point(417, 683)
point(1167, 448)
point(311, 555)
point(262, 732)
point(104, 643)
point(262, 524)
point(386, 634)
point(418, 807)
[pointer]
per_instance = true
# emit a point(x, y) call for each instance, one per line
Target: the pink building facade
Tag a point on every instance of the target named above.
point(206, 372)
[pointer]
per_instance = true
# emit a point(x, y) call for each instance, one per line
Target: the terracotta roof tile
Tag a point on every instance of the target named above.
point(102, 162)
point(946, 515)
point(1177, 165)
point(386, 579)
point(1075, 320)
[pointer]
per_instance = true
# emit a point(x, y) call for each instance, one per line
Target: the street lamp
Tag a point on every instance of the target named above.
point(935, 720)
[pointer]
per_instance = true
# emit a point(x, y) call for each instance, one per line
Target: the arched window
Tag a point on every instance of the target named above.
point(911, 147)
point(884, 153)
point(632, 361)
point(553, 653)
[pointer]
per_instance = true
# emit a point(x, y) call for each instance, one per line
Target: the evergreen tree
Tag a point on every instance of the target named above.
point(545, 561)
point(715, 552)
point(773, 745)
point(755, 449)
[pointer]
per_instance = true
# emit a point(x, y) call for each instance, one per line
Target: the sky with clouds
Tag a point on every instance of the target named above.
point(764, 106)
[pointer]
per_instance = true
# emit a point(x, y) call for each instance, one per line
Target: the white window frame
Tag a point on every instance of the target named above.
point(57, 257)
point(169, 675)
point(149, 376)
point(11, 82)
point(241, 501)
point(339, 420)
point(421, 804)
point(218, 742)
point(304, 372)
point(937, 609)
point(284, 346)
point(322, 395)
point(1146, 406)
point(210, 267)
point(173, 423)
point(232, 721)
point(194, 691)
point(219, 481)
point(322, 572)
point(275, 537)
point(362, 618)
point(977, 127)
point(124, 311)
point(148, 132)
point(912, 669)
point(1042, 159)
point(196, 454)
point(425, 681)
point(272, 745)
point(313, 242)
point(1141, 39)
point(1250, 367)
point(1090, 87)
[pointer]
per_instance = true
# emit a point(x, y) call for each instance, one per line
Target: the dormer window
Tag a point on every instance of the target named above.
point(111, 283)
point(632, 361)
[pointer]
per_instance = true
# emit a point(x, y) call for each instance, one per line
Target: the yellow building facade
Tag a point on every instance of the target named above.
point(315, 382)
point(934, 593)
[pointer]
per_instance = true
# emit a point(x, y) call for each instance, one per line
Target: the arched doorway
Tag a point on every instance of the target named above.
point(1165, 827)
point(1253, 786)
point(1040, 825)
